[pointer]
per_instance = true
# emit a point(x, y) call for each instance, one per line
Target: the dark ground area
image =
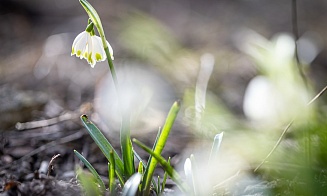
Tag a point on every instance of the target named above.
point(43, 91)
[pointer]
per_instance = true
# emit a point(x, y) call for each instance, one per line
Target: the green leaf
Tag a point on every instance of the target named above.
point(88, 182)
point(140, 171)
point(158, 187)
point(144, 165)
point(169, 169)
point(103, 144)
point(92, 170)
point(159, 145)
point(140, 168)
point(140, 159)
point(131, 185)
point(126, 147)
point(163, 184)
point(111, 169)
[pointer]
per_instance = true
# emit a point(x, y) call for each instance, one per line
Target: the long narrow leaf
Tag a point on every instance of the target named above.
point(163, 184)
point(140, 168)
point(144, 165)
point(158, 187)
point(92, 170)
point(111, 169)
point(103, 144)
point(88, 182)
point(126, 147)
point(140, 171)
point(169, 169)
point(159, 145)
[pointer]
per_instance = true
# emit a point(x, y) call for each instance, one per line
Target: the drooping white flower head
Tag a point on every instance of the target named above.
point(90, 47)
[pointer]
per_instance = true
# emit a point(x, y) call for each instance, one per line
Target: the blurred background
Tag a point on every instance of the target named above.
point(232, 63)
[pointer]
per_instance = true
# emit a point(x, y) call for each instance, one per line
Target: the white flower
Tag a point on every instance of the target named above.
point(90, 47)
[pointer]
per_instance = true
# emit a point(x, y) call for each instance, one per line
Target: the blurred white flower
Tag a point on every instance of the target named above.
point(90, 47)
point(279, 93)
point(188, 171)
point(261, 100)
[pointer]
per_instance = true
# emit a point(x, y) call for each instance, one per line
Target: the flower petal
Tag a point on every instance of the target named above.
point(98, 51)
point(80, 45)
point(77, 39)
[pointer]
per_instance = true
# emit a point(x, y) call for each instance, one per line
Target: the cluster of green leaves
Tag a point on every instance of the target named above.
point(142, 180)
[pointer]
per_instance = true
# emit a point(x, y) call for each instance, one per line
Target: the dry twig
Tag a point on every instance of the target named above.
point(50, 166)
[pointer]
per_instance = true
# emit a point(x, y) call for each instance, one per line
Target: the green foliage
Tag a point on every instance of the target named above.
point(92, 170)
point(103, 144)
point(159, 145)
point(111, 170)
point(126, 147)
point(116, 164)
point(88, 182)
point(169, 169)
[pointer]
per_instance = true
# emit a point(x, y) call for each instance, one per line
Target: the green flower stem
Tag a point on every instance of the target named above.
point(126, 144)
point(111, 64)
point(163, 184)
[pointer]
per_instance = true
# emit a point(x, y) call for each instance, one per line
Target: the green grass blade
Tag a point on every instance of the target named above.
point(103, 144)
point(111, 169)
point(88, 182)
point(140, 168)
point(159, 145)
point(132, 185)
point(158, 187)
point(92, 170)
point(157, 138)
point(163, 184)
point(140, 171)
point(120, 178)
point(144, 167)
point(126, 148)
point(169, 169)
point(154, 184)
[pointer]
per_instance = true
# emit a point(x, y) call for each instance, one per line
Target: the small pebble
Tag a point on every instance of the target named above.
point(6, 159)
